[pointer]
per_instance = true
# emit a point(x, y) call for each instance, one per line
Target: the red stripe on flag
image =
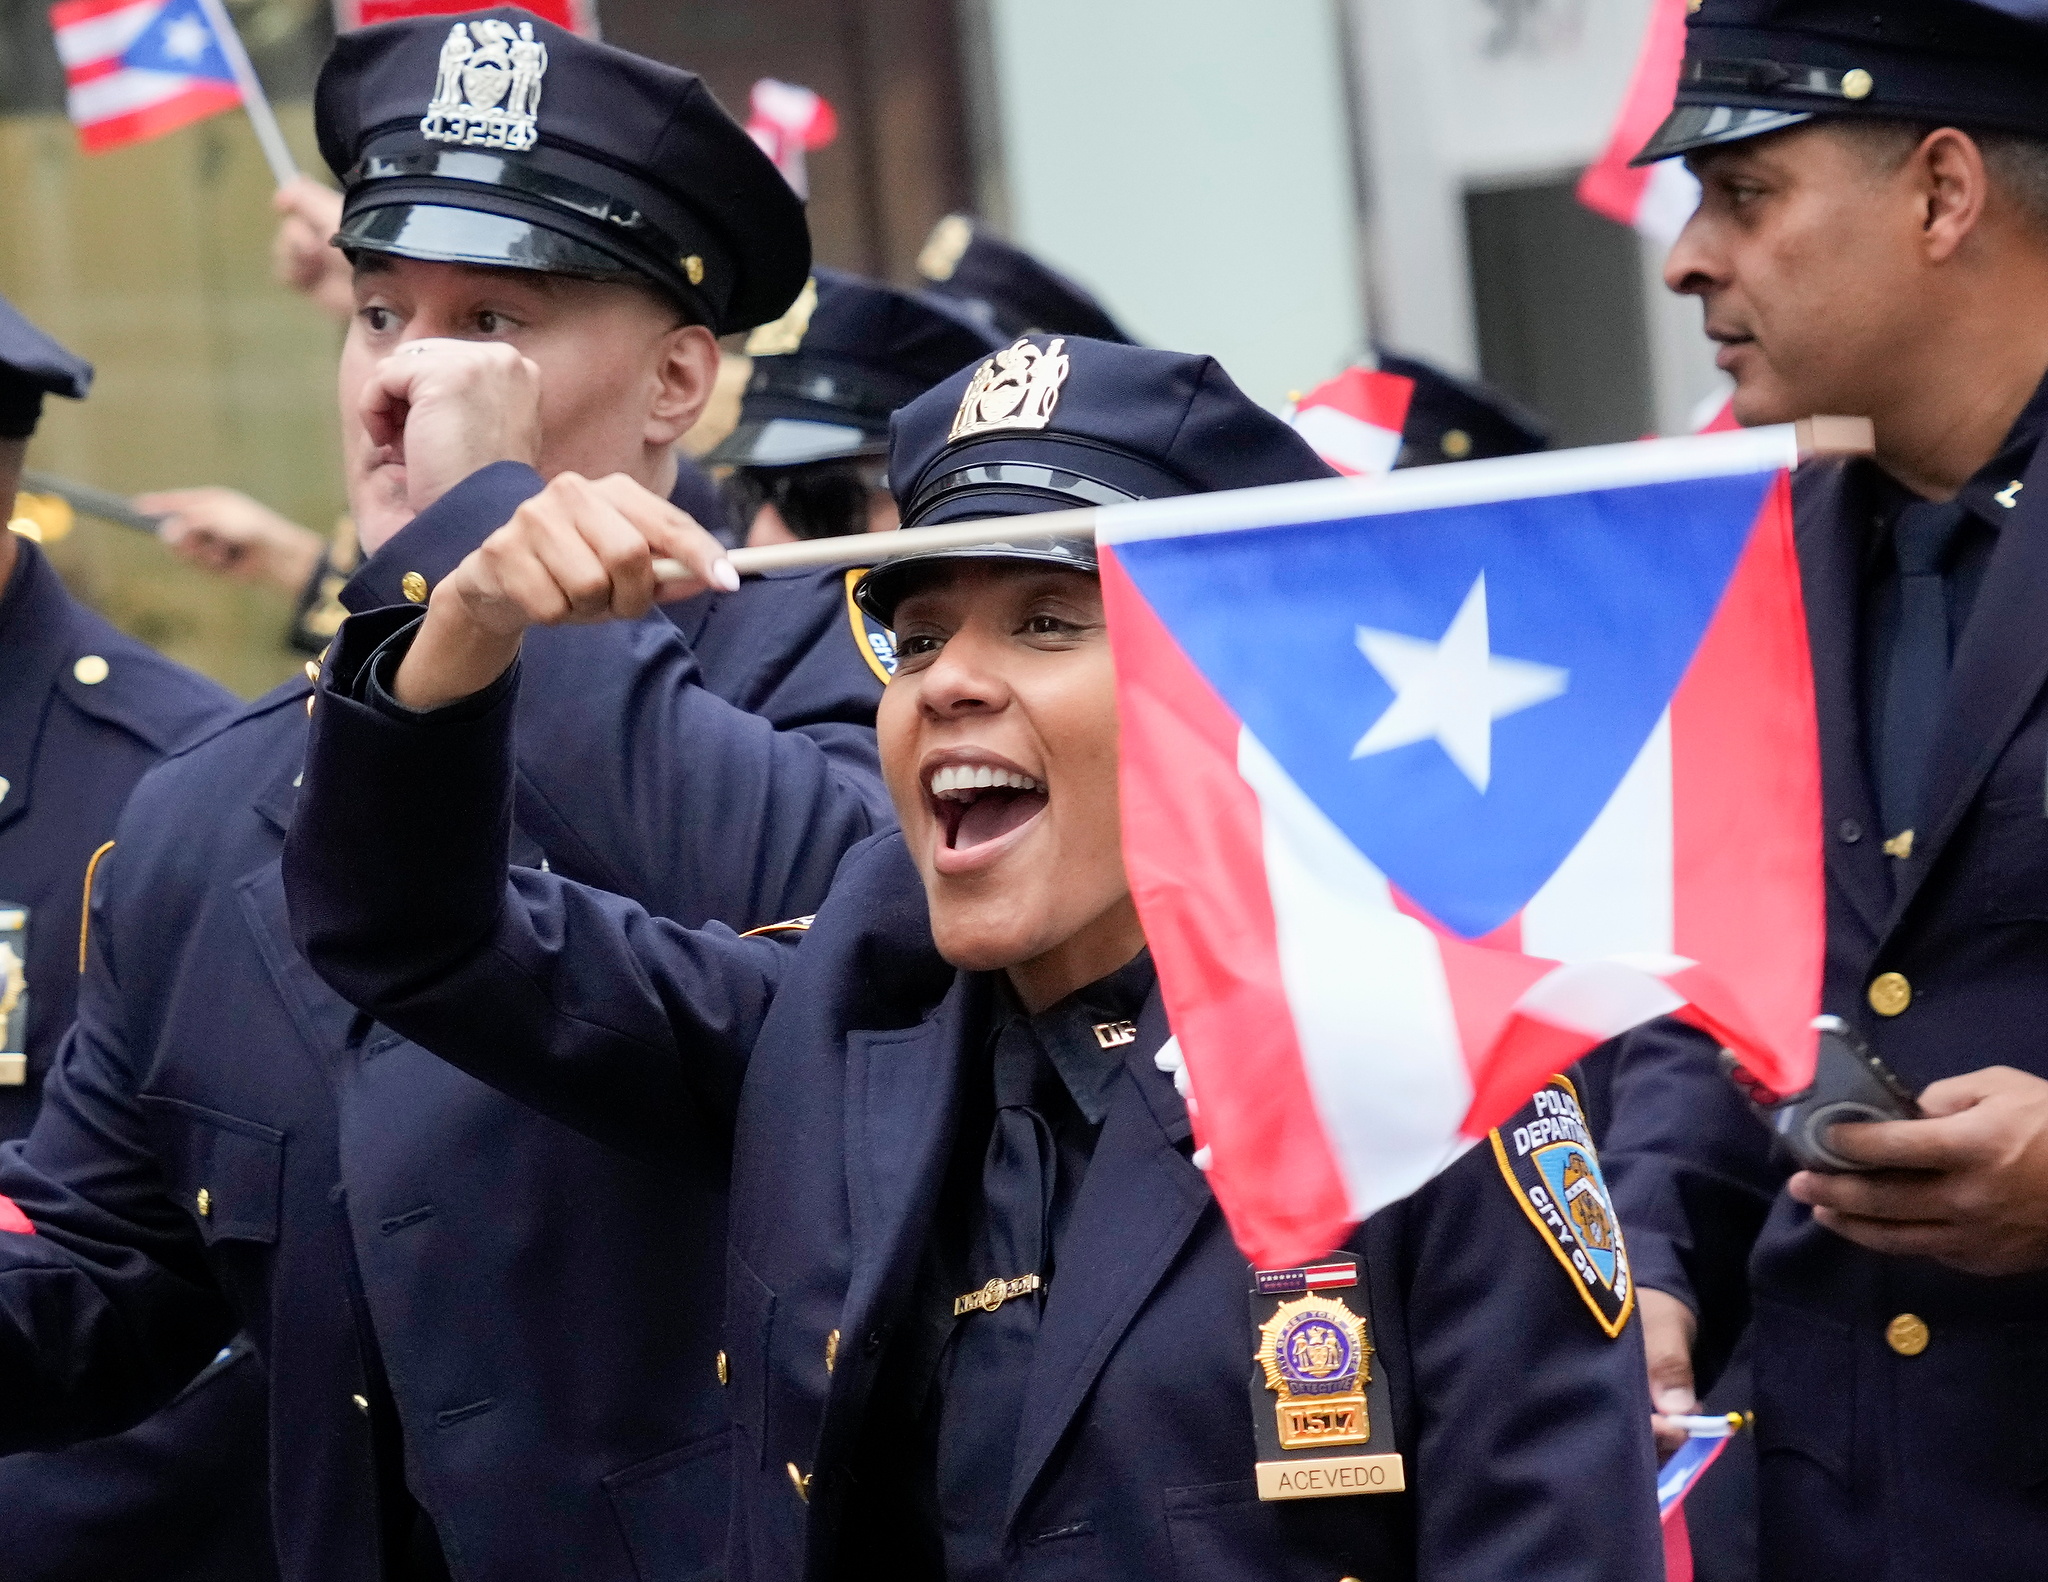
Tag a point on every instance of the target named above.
point(12, 1218)
point(166, 115)
point(1677, 1547)
point(563, 13)
point(1194, 849)
point(1609, 186)
point(69, 13)
point(105, 66)
point(1747, 885)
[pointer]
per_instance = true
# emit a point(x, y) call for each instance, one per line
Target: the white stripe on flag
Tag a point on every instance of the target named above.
point(1669, 197)
point(1603, 999)
point(120, 92)
point(109, 33)
point(1612, 893)
point(1338, 436)
point(1372, 1010)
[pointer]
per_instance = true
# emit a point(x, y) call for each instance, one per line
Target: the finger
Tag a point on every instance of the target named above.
point(626, 555)
point(1669, 1436)
point(1903, 1240)
point(1954, 1095)
point(673, 535)
point(513, 575)
point(1893, 1198)
point(1943, 1143)
point(562, 541)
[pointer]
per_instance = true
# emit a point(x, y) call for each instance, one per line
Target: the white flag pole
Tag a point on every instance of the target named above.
point(275, 151)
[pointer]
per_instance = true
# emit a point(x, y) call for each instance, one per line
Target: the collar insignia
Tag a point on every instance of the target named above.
point(488, 90)
point(787, 333)
point(1016, 388)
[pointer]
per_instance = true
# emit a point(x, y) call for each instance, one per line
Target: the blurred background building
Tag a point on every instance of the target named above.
point(1280, 183)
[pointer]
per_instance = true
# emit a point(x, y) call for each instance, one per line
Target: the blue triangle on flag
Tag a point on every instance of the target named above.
point(180, 40)
point(1593, 606)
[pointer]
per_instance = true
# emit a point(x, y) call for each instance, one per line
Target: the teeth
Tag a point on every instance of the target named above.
point(957, 779)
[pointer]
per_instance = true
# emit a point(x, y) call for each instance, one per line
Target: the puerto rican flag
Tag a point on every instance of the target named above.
point(1657, 199)
point(579, 16)
point(1432, 784)
point(140, 68)
point(1354, 421)
point(787, 122)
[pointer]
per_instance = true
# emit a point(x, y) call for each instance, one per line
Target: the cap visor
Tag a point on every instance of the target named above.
point(793, 442)
point(1691, 126)
point(883, 588)
point(444, 235)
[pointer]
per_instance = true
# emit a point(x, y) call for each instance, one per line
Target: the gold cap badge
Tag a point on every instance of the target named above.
point(943, 249)
point(1016, 388)
point(787, 333)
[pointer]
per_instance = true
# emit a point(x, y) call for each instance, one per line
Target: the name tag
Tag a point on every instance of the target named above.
point(1331, 1475)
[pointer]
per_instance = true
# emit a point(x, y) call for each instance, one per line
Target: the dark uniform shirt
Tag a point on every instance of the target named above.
point(84, 711)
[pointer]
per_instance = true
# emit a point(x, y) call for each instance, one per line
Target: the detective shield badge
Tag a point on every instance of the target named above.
point(1314, 1391)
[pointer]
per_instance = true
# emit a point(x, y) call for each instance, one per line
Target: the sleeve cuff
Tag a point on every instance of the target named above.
point(364, 669)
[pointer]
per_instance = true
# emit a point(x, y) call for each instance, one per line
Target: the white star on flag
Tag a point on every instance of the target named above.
point(1452, 690)
point(185, 39)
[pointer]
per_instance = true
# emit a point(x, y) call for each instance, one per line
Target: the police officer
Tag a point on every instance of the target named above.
point(1453, 419)
point(985, 1318)
point(1873, 238)
point(808, 451)
point(491, 1342)
point(1006, 288)
point(84, 711)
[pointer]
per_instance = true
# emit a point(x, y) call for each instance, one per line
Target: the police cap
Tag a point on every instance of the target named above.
point(495, 138)
point(1006, 287)
point(829, 372)
point(1056, 422)
point(1756, 66)
point(1453, 419)
point(32, 366)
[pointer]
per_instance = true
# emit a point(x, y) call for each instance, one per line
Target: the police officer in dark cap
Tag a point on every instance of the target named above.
point(810, 448)
point(1872, 238)
point(84, 712)
point(985, 1318)
point(491, 1342)
point(1007, 288)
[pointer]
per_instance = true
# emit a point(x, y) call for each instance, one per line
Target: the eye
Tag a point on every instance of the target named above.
point(1045, 625)
point(914, 650)
point(489, 321)
point(378, 320)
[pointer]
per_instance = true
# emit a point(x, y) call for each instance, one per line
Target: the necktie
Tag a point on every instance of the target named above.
point(990, 1358)
point(1918, 678)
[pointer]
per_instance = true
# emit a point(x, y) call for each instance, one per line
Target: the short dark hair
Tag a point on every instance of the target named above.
point(2018, 162)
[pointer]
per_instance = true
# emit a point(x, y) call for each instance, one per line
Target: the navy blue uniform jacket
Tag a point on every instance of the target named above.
point(1875, 1466)
point(226, 1143)
point(180, 1495)
point(1525, 1428)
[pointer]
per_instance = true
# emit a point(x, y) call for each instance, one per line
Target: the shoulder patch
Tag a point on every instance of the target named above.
point(876, 642)
point(795, 925)
point(1546, 1156)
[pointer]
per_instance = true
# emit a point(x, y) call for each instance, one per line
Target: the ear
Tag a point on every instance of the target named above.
point(685, 373)
point(1955, 188)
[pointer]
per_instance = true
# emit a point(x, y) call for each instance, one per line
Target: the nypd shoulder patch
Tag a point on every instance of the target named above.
point(876, 642)
point(1546, 1155)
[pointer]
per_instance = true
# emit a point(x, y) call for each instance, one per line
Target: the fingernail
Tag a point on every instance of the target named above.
point(723, 576)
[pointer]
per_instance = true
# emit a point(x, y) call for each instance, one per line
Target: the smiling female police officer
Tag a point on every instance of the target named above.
point(984, 1318)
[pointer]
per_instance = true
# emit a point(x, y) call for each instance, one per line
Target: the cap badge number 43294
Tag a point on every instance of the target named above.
point(1016, 388)
point(487, 93)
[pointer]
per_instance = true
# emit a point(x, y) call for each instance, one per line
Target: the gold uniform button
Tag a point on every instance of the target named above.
point(1908, 1334)
point(724, 1372)
point(90, 670)
point(414, 587)
point(362, 1404)
point(832, 1351)
point(313, 671)
point(1857, 83)
point(204, 1203)
point(800, 1481)
point(1456, 444)
point(1890, 993)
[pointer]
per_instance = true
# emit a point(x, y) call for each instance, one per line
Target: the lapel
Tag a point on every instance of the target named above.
point(2000, 665)
point(324, 1020)
point(1139, 1203)
point(1832, 537)
point(279, 793)
point(903, 1093)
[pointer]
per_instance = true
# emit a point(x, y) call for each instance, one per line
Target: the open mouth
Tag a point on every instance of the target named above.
point(982, 802)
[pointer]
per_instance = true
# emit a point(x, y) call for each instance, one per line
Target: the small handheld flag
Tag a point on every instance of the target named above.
point(1354, 421)
point(1657, 199)
point(787, 122)
point(1706, 1438)
point(137, 69)
point(1431, 787)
